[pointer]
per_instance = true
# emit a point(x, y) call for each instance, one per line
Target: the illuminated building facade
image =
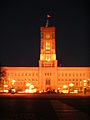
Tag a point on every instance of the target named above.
point(48, 76)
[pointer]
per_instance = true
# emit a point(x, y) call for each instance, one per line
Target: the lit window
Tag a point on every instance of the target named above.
point(47, 45)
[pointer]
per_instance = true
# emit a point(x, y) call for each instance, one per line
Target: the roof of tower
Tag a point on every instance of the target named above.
point(48, 17)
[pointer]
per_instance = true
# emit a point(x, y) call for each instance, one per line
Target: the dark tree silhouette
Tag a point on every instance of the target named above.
point(2, 76)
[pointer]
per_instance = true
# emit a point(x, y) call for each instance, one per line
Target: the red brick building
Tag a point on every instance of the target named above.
point(48, 76)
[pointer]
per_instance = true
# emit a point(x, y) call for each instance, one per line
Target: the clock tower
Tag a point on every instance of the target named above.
point(47, 47)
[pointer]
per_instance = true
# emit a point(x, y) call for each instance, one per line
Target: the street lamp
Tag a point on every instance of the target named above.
point(13, 81)
point(64, 86)
point(85, 83)
point(28, 84)
point(5, 88)
point(70, 86)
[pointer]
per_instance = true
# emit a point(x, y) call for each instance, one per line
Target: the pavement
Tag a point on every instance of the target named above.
point(44, 107)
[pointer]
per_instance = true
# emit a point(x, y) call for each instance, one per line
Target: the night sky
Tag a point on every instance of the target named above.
point(20, 23)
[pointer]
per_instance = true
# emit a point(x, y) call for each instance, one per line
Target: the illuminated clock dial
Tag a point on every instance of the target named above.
point(47, 36)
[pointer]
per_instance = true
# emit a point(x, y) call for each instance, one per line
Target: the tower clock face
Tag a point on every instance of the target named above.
point(47, 36)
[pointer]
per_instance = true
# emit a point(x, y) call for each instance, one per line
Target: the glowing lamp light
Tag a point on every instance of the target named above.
point(54, 57)
point(6, 91)
point(32, 86)
point(84, 81)
point(41, 57)
point(27, 84)
point(26, 91)
point(13, 81)
point(5, 85)
point(64, 86)
point(71, 85)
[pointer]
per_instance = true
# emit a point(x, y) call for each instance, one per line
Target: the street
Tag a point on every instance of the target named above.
point(43, 107)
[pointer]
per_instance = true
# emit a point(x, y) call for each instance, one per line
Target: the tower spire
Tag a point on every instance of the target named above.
point(48, 16)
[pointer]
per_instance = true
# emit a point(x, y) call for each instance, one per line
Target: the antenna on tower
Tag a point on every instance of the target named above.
point(48, 16)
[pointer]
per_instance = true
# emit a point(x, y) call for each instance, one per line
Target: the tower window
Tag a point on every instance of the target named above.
point(42, 35)
point(53, 35)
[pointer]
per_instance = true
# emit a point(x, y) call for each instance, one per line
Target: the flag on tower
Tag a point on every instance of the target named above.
point(48, 16)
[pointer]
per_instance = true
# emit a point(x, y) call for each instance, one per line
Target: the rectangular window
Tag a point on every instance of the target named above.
point(36, 79)
point(47, 82)
point(65, 74)
point(77, 74)
point(76, 84)
point(83, 74)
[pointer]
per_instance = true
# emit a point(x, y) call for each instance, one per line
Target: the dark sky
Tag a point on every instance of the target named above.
point(20, 23)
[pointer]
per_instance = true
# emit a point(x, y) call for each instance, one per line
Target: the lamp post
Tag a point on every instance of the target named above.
point(88, 85)
point(27, 87)
point(13, 82)
point(65, 89)
point(84, 87)
point(70, 86)
point(13, 86)
point(5, 88)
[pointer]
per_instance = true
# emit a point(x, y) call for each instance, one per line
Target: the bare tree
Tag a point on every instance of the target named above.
point(2, 76)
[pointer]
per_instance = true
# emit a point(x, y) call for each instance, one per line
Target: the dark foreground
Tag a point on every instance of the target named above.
point(44, 107)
